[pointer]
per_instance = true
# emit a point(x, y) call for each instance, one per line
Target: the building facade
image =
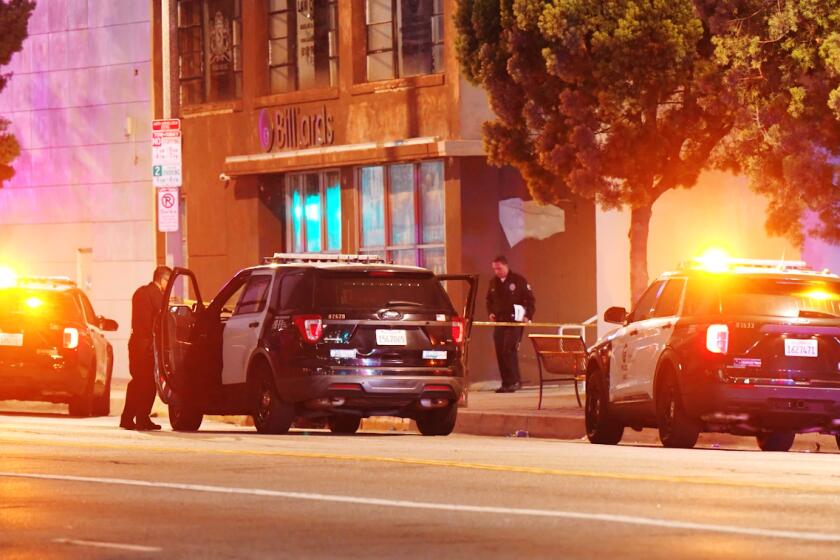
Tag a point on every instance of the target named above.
point(325, 126)
point(80, 204)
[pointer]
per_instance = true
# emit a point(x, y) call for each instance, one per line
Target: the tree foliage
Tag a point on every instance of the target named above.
point(14, 20)
point(619, 101)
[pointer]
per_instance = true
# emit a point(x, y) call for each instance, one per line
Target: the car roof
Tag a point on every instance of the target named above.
point(45, 283)
point(348, 267)
point(798, 274)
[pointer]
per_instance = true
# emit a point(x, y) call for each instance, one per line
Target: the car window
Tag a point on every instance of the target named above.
point(295, 292)
point(701, 298)
point(24, 302)
point(644, 309)
point(254, 296)
point(669, 302)
point(88, 309)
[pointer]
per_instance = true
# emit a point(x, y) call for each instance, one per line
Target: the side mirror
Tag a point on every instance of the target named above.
point(615, 315)
point(108, 324)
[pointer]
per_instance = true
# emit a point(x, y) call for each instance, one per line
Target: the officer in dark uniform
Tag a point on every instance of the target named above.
point(507, 290)
point(141, 391)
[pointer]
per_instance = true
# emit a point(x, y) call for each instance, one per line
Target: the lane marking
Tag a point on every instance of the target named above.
point(458, 508)
point(112, 546)
point(566, 473)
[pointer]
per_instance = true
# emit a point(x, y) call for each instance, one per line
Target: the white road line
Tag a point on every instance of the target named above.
point(112, 546)
point(460, 508)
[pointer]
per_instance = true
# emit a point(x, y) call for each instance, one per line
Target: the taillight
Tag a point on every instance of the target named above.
point(71, 338)
point(717, 339)
point(458, 330)
point(311, 327)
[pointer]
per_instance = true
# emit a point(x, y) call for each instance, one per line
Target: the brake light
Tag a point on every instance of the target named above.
point(311, 327)
point(458, 330)
point(717, 339)
point(438, 388)
point(345, 387)
point(71, 338)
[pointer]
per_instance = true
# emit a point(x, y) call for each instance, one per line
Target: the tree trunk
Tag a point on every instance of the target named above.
point(639, 228)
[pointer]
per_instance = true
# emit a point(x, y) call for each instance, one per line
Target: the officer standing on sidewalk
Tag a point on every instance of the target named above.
point(141, 391)
point(509, 299)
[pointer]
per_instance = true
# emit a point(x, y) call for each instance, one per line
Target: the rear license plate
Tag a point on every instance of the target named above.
point(389, 337)
point(801, 348)
point(11, 339)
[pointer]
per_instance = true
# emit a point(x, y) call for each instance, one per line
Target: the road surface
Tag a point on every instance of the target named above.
point(73, 488)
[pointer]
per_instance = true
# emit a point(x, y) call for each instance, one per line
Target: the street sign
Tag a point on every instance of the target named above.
point(168, 209)
point(166, 153)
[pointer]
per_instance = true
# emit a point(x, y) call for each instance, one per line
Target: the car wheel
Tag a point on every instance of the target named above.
point(81, 406)
point(440, 422)
point(342, 424)
point(676, 428)
point(183, 417)
point(775, 441)
point(102, 403)
point(601, 427)
point(271, 414)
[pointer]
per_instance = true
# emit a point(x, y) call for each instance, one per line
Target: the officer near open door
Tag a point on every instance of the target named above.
point(509, 300)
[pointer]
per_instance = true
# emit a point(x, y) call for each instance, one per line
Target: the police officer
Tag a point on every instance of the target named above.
point(141, 391)
point(508, 291)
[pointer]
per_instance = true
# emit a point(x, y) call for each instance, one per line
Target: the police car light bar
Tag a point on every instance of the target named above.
point(283, 258)
point(48, 280)
point(733, 264)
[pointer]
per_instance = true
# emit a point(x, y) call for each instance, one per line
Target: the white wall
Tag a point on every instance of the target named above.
point(720, 212)
point(82, 181)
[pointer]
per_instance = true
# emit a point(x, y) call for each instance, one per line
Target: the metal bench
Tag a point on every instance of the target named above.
point(563, 355)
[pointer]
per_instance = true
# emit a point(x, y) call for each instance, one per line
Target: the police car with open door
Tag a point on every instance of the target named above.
point(740, 346)
point(334, 337)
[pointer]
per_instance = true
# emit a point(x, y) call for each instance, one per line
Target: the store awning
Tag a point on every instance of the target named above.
point(351, 154)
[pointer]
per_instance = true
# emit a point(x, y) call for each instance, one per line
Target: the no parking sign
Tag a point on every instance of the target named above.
point(168, 208)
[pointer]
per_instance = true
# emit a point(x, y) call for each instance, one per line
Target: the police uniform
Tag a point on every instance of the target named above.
point(141, 390)
point(501, 297)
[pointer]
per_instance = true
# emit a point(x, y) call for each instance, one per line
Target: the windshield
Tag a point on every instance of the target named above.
point(374, 293)
point(778, 297)
point(17, 302)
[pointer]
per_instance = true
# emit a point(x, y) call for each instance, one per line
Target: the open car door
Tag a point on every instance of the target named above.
point(462, 290)
point(175, 339)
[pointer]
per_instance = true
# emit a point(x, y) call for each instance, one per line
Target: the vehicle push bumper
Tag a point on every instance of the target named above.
point(748, 405)
point(402, 392)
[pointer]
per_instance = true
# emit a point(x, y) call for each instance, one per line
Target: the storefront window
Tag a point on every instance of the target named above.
point(404, 38)
point(314, 212)
point(209, 50)
point(302, 44)
point(414, 209)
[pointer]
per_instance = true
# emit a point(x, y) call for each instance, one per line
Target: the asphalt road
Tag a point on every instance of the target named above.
point(85, 489)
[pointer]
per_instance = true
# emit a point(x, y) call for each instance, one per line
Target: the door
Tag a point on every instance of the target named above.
point(243, 329)
point(174, 336)
point(455, 285)
point(628, 341)
point(655, 336)
point(100, 343)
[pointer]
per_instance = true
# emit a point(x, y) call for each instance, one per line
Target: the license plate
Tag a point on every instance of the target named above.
point(390, 337)
point(11, 339)
point(800, 348)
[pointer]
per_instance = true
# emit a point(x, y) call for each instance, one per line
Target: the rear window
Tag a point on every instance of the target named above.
point(377, 292)
point(39, 303)
point(777, 297)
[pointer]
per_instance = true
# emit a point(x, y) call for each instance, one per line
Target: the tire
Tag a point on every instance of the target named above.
point(182, 417)
point(342, 424)
point(81, 406)
point(440, 422)
point(676, 428)
point(775, 441)
point(271, 414)
point(102, 403)
point(601, 427)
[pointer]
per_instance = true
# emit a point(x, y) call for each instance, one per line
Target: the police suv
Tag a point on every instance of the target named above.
point(311, 337)
point(53, 346)
point(740, 346)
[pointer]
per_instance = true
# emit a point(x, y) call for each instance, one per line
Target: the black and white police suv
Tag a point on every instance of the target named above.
point(53, 346)
point(314, 337)
point(739, 346)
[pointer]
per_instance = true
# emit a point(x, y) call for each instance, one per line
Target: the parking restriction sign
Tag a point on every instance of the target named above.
point(166, 153)
point(168, 209)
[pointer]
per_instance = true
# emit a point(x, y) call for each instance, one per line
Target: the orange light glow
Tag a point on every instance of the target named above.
point(34, 302)
point(714, 260)
point(819, 295)
point(8, 277)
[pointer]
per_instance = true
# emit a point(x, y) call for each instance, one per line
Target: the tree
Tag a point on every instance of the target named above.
point(619, 101)
point(14, 20)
